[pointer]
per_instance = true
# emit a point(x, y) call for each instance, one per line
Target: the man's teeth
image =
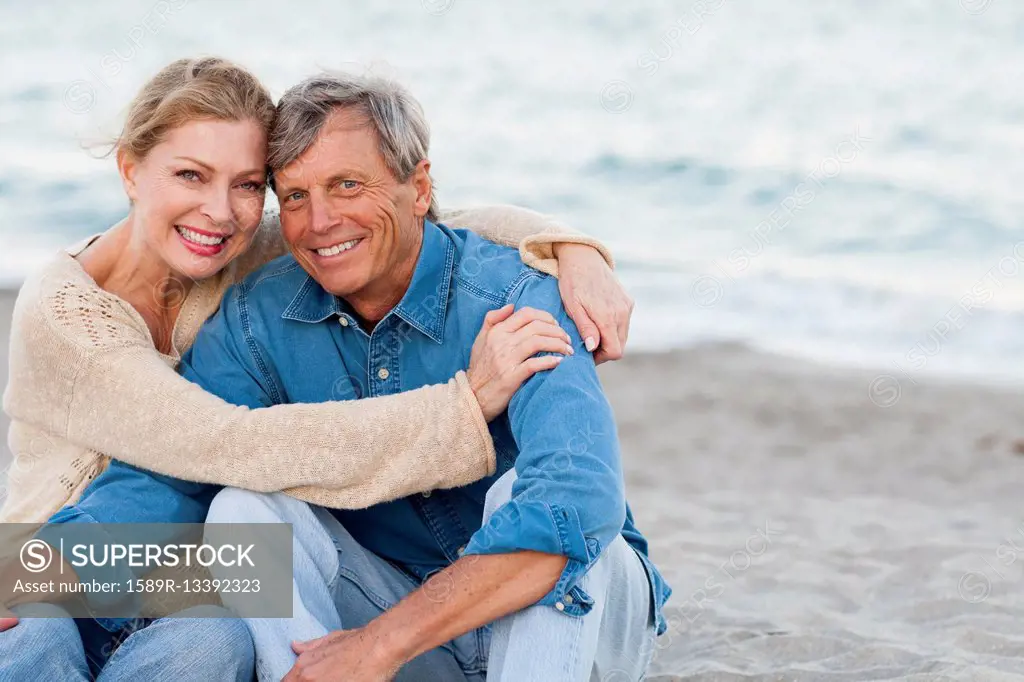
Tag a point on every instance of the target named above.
point(338, 248)
point(197, 238)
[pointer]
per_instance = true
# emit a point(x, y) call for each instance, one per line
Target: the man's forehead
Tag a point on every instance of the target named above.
point(347, 137)
point(342, 132)
point(346, 119)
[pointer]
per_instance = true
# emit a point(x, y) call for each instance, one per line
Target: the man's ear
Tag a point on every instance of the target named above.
point(127, 167)
point(424, 187)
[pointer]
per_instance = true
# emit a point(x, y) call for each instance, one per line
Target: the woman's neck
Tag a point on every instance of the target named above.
point(121, 263)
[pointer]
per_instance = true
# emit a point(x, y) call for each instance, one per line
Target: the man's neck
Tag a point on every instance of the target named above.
point(372, 303)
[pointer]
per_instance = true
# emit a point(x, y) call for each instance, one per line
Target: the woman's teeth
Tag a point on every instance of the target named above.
point(197, 238)
point(338, 248)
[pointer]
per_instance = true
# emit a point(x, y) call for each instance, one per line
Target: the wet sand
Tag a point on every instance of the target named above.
point(813, 533)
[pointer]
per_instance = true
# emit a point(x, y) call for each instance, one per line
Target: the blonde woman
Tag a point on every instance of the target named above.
point(98, 334)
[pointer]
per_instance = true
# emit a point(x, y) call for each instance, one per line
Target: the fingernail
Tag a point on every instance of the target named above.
point(569, 349)
point(591, 343)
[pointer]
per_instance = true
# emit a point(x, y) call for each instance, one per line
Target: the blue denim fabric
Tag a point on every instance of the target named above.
point(279, 337)
point(46, 645)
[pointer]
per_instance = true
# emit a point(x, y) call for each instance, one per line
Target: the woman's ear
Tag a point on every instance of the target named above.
point(424, 187)
point(127, 167)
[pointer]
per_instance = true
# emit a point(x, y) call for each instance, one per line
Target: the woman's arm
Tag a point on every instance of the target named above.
point(591, 293)
point(131, 406)
point(593, 296)
point(83, 369)
point(535, 235)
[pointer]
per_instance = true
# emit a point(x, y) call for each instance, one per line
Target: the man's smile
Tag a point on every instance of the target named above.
point(338, 249)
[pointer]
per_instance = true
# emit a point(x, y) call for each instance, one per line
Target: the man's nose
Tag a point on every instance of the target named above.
point(323, 219)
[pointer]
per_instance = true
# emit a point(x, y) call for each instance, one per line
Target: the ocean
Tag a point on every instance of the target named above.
point(830, 180)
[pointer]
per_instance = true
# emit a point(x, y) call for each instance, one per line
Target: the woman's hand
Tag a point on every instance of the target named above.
point(502, 356)
point(8, 578)
point(57, 573)
point(594, 299)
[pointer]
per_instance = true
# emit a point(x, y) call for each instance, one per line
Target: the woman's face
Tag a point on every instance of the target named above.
point(198, 195)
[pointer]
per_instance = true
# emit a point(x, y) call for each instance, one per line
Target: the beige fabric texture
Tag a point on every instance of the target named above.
point(87, 385)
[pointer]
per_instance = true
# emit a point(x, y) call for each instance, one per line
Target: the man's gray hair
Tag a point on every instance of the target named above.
point(402, 131)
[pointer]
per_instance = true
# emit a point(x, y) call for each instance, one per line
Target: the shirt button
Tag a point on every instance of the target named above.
point(343, 322)
point(426, 494)
point(383, 373)
point(560, 606)
point(568, 599)
point(462, 550)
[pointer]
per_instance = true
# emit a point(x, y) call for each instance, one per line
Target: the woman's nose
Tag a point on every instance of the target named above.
point(217, 207)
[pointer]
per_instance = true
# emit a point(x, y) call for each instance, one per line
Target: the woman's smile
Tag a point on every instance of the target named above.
point(202, 242)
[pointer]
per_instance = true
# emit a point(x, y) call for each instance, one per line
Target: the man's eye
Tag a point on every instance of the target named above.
point(189, 175)
point(349, 184)
point(294, 196)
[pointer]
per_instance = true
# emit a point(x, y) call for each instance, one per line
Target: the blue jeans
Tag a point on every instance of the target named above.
point(49, 645)
point(339, 584)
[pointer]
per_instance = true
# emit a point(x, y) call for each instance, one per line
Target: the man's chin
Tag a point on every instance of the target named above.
point(336, 279)
point(337, 285)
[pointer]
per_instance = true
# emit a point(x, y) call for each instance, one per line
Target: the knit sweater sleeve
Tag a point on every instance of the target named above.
point(534, 234)
point(85, 369)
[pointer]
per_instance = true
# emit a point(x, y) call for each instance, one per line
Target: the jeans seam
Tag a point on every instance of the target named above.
point(382, 603)
point(353, 578)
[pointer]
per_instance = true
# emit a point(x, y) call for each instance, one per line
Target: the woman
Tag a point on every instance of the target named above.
point(97, 335)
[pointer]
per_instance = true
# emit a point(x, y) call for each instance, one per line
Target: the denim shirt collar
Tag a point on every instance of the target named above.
point(423, 306)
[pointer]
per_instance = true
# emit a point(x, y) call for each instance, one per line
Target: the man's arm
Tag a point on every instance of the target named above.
point(472, 592)
point(567, 505)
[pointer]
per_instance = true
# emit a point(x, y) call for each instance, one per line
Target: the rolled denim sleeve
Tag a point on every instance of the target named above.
point(569, 496)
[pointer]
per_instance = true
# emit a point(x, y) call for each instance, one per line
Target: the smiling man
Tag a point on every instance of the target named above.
point(534, 573)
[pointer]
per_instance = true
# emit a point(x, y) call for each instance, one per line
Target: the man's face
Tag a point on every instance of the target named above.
point(348, 221)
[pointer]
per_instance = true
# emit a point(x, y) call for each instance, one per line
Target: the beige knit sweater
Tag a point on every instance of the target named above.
point(87, 384)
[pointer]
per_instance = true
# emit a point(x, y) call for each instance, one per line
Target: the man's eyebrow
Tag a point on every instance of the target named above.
point(338, 177)
point(284, 189)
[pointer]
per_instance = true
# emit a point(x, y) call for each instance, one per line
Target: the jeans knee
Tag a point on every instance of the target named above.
point(615, 562)
point(218, 642)
point(499, 493)
point(41, 626)
point(234, 505)
point(40, 611)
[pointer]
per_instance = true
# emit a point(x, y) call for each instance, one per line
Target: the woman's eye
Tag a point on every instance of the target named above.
point(253, 186)
point(189, 175)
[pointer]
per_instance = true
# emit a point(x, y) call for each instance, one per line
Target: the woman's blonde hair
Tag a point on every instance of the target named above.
point(190, 89)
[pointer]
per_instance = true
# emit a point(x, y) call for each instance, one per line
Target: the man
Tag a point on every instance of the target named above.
point(535, 573)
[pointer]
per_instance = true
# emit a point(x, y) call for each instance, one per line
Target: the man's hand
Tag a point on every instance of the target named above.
point(345, 656)
point(594, 299)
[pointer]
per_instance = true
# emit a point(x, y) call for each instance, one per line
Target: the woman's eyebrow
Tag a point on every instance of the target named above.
point(252, 171)
point(196, 161)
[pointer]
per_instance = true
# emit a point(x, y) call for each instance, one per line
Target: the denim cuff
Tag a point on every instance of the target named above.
point(531, 525)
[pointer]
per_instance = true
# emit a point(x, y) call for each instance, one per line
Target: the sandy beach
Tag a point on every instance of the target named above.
point(811, 533)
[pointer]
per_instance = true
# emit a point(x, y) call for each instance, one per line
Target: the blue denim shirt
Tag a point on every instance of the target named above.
point(279, 337)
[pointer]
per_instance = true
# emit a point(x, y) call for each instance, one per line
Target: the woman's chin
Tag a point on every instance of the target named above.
point(200, 267)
